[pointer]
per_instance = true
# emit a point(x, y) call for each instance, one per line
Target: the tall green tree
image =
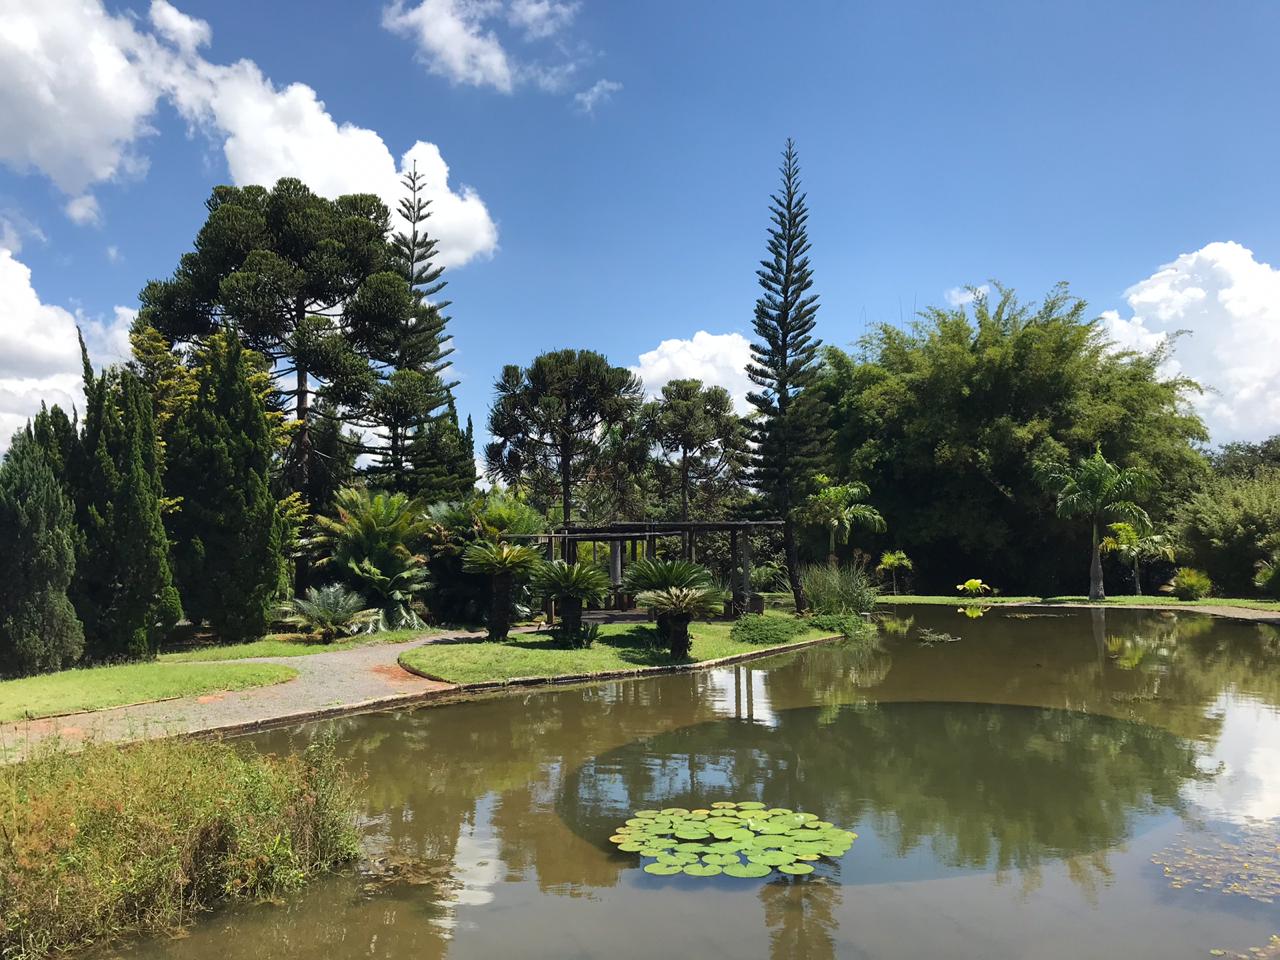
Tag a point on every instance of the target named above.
point(1098, 490)
point(837, 508)
point(226, 529)
point(123, 589)
point(39, 629)
point(699, 433)
point(1136, 546)
point(547, 419)
point(784, 364)
point(442, 459)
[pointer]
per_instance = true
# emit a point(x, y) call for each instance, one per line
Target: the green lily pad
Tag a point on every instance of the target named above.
point(703, 870)
point(807, 857)
point(620, 838)
point(646, 814)
point(748, 870)
point(720, 859)
point(678, 859)
point(692, 847)
point(772, 858)
point(637, 822)
point(651, 851)
point(795, 869)
point(675, 812)
point(631, 846)
point(663, 869)
point(750, 805)
point(779, 811)
point(724, 805)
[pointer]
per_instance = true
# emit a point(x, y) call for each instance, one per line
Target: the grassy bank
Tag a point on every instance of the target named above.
point(98, 688)
point(286, 645)
point(115, 840)
point(1159, 600)
point(619, 647)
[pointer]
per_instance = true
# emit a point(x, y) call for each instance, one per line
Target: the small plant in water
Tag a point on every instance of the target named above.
point(973, 612)
point(929, 637)
point(738, 839)
point(973, 587)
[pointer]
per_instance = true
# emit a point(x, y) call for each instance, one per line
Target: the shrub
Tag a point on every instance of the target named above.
point(332, 611)
point(1191, 584)
point(840, 590)
point(973, 587)
point(675, 608)
point(1227, 526)
point(849, 626)
point(571, 585)
point(766, 630)
point(115, 839)
point(505, 564)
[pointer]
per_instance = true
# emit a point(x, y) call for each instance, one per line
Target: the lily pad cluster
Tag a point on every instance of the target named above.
point(738, 839)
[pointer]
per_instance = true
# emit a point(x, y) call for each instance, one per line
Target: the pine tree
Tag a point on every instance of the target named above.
point(443, 460)
point(784, 364)
point(38, 626)
point(226, 530)
point(122, 590)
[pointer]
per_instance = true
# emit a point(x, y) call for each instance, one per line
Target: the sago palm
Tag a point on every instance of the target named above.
point(504, 563)
point(676, 607)
point(330, 612)
point(1100, 491)
point(570, 585)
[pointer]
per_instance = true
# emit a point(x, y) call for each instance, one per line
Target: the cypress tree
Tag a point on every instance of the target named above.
point(38, 626)
point(122, 590)
point(785, 363)
point(226, 529)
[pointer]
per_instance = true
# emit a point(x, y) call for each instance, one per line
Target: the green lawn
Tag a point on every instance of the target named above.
point(285, 645)
point(619, 647)
point(1162, 600)
point(98, 688)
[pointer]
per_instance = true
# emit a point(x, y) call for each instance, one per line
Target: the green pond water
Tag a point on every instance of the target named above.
point(1082, 784)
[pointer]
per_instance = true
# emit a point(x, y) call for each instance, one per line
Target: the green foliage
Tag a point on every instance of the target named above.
point(1136, 546)
point(1266, 575)
point(674, 607)
point(945, 419)
point(649, 573)
point(112, 840)
point(38, 626)
point(505, 564)
point(442, 458)
point(571, 585)
point(973, 587)
point(838, 589)
point(767, 628)
point(226, 529)
point(1244, 459)
point(331, 612)
point(849, 626)
point(1228, 527)
point(891, 561)
point(702, 437)
point(784, 364)
point(837, 509)
point(1191, 584)
point(547, 417)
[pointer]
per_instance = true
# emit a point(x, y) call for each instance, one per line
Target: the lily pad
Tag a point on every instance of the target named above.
point(692, 847)
point(679, 859)
point(724, 805)
point(631, 846)
point(720, 859)
point(675, 812)
point(748, 870)
point(703, 870)
point(750, 805)
point(772, 858)
point(663, 869)
point(646, 814)
point(795, 869)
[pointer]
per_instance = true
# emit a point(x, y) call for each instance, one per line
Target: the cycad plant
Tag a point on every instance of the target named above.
point(675, 607)
point(504, 563)
point(570, 585)
point(1099, 490)
point(1135, 545)
point(330, 612)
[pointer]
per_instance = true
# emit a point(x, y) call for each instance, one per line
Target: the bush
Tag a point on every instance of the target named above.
point(117, 839)
point(1191, 584)
point(840, 590)
point(849, 626)
point(766, 630)
point(1227, 526)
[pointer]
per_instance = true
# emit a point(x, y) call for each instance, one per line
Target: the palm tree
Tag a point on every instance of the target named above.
point(1134, 546)
point(891, 561)
point(1099, 490)
point(570, 585)
point(505, 563)
point(838, 508)
point(330, 611)
point(675, 608)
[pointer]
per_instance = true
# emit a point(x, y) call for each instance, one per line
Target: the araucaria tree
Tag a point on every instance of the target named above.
point(701, 436)
point(784, 363)
point(548, 418)
point(225, 528)
point(38, 626)
point(1100, 491)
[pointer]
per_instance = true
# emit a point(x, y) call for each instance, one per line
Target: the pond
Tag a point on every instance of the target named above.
point(1067, 783)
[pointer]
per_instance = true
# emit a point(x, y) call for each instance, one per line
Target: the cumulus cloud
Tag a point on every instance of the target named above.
point(714, 358)
point(601, 92)
point(101, 104)
point(540, 19)
point(1227, 305)
point(962, 296)
point(15, 229)
point(39, 352)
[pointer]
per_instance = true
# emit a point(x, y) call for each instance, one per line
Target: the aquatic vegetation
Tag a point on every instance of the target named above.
point(973, 587)
point(738, 839)
point(1244, 864)
point(929, 637)
point(973, 612)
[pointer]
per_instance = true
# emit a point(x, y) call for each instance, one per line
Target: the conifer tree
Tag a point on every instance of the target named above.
point(39, 629)
point(784, 364)
point(443, 460)
point(225, 529)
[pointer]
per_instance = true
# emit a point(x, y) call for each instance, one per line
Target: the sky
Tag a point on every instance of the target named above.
point(600, 172)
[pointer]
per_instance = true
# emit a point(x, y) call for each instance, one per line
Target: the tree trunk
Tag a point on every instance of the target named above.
point(302, 477)
point(500, 606)
point(570, 616)
point(566, 487)
point(893, 576)
point(793, 565)
point(1096, 591)
point(684, 487)
point(831, 547)
point(1137, 578)
point(678, 634)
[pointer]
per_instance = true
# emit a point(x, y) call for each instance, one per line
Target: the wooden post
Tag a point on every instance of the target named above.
point(615, 571)
point(746, 568)
point(739, 595)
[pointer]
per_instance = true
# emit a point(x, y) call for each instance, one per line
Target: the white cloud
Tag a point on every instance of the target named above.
point(1228, 303)
point(81, 86)
point(600, 92)
point(39, 352)
point(714, 358)
point(963, 296)
point(540, 19)
point(15, 229)
point(113, 253)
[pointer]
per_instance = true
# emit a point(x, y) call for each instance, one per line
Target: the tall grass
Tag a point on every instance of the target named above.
point(838, 590)
point(114, 840)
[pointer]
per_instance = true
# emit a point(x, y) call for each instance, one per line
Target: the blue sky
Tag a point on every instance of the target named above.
point(1127, 148)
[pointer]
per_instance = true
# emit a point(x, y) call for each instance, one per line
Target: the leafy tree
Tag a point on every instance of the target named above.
point(226, 529)
point(784, 363)
point(1097, 489)
point(330, 612)
point(1244, 459)
point(1231, 525)
point(837, 509)
point(38, 626)
point(1135, 546)
point(505, 564)
point(443, 460)
point(123, 589)
point(571, 585)
point(547, 419)
point(702, 437)
point(946, 418)
point(280, 267)
point(891, 561)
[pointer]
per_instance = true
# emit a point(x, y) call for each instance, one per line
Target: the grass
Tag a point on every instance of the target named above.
point(284, 645)
point(114, 840)
point(619, 647)
point(1159, 600)
point(99, 688)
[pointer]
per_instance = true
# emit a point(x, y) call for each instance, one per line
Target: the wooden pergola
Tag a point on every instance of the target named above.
point(625, 537)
